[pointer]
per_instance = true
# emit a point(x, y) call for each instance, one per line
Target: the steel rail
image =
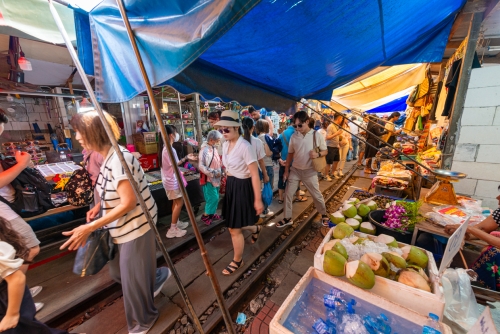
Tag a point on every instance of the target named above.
point(119, 154)
point(208, 265)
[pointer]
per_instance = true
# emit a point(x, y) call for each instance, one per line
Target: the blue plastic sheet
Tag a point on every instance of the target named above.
point(282, 49)
point(398, 104)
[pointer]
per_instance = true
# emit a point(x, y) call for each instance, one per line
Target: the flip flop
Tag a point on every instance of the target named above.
point(300, 199)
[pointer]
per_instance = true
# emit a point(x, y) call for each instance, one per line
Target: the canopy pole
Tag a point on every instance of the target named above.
point(208, 265)
point(119, 153)
point(367, 143)
point(180, 115)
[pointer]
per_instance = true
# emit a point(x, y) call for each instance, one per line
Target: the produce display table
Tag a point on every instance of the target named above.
point(430, 227)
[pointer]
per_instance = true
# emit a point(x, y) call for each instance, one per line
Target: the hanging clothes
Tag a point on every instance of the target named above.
point(451, 84)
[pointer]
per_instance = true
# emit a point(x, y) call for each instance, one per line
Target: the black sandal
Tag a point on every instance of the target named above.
point(280, 201)
point(284, 222)
point(231, 269)
point(300, 199)
point(255, 236)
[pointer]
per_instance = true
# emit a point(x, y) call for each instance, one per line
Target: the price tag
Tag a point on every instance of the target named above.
point(453, 246)
point(485, 324)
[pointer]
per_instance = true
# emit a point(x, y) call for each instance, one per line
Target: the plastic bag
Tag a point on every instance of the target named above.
point(267, 194)
point(461, 306)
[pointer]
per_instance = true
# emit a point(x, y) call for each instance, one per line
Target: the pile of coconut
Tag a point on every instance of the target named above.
point(353, 212)
point(360, 258)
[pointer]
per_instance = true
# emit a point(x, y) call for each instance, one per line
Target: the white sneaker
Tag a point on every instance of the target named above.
point(175, 232)
point(182, 225)
point(268, 214)
point(302, 193)
point(336, 175)
point(39, 306)
point(35, 290)
point(340, 173)
point(328, 178)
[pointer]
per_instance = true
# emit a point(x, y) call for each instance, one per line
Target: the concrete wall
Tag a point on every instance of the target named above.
point(478, 149)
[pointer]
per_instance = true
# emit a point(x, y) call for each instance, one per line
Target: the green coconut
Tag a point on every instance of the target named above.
point(372, 205)
point(360, 274)
point(339, 248)
point(386, 239)
point(337, 217)
point(414, 255)
point(395, 259)
point(352, 223)
point(334, 263)
point(377, 263)
point(354, 200)
point(342, 230)
point(413, 279)
point(349, 210)
point(358, 218)
point(367, 228)
point(329, 245)
point(363, 210)
point(360, 241)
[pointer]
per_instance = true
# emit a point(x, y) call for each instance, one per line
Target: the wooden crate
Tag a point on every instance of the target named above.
point(146, 148)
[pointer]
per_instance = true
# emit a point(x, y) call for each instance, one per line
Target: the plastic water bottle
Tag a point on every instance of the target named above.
point(62, 156)
point(432, 326)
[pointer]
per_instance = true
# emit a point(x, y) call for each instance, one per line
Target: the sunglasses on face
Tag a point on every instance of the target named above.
point(224, 130)
point(297, 125)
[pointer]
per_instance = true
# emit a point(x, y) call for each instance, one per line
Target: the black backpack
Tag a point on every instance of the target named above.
point(32, 195)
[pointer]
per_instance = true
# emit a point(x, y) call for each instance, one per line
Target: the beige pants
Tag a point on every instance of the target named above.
point(309, 178)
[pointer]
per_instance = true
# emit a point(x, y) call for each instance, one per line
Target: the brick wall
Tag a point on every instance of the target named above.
point(478, 150)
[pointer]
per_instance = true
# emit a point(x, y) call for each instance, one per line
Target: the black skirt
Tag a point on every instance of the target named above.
point(237, 208)
point(370, 152)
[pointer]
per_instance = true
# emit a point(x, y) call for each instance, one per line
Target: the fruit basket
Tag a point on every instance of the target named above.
point(316, 279)
point(418, 300)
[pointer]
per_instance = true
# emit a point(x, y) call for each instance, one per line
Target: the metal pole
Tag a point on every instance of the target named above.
point(197, 118)
point(180, 115)
point(367, 143)
point(463, 85)
point(119, 153)
point(208, 265)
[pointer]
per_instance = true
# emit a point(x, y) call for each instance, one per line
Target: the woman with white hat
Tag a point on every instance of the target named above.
point(243, 202)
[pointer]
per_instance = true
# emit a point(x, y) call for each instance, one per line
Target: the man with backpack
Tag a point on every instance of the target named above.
point(17, 223)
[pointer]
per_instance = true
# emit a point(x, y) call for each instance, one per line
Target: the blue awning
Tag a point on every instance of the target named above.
point(270, 55)
point(395, 105)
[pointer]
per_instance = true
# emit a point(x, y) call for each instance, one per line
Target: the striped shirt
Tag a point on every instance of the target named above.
point(134, 224)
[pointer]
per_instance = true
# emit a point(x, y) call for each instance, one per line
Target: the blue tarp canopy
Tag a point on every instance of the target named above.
point(398, 104)
point(268, 53)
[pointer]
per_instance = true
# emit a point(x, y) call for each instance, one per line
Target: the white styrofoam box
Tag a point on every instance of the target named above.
point(482, 97)
point(487, 188)
point(488, 153)
point(477, 170)
point(478, 116)
point(465, 187)
point(485, 77)
point(479, 135)
point(276, 326)
point(399, 293)
point(466, 152)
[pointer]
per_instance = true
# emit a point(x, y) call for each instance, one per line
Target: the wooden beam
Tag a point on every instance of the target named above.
point(459, 20)
point(463, 84)
point(453, 44)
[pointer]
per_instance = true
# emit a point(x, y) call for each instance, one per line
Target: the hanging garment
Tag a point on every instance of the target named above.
point(451, 84)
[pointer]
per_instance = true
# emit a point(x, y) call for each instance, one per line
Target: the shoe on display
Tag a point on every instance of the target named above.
point(182, 225)
point(35, 290)
point(162, 276)
point(175, 232)
point(39, 306)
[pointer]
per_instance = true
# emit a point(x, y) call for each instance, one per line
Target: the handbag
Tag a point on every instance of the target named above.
point(318, 163)
point(97, 251)
point(203, 176)
point(79, 189)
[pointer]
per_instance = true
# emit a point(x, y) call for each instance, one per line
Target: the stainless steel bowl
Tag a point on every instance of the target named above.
point(449, 174)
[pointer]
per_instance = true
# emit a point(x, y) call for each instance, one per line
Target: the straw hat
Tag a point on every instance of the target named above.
point(229, 118)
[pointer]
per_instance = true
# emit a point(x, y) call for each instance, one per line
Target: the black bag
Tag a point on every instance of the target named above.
point(79, 189)
point(32, 191)
point(98, 250)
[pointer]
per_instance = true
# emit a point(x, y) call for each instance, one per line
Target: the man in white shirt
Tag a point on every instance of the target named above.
point(301, 152)
point(353, 126)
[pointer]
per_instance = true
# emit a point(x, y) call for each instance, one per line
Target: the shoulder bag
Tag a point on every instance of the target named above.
point(98, 250)
point(319, 163)
point(203, 176)
point(79, 189)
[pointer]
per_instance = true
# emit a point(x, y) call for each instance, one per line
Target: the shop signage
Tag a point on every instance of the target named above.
point(484, 324)
point(453, 246)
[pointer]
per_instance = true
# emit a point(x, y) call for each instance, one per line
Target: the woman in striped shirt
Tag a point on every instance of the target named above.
point(134, 265)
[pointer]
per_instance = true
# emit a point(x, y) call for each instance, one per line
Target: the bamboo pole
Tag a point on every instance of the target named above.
point(119, 153)
point(208, 265)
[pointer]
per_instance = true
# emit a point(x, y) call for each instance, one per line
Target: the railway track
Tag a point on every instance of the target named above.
point(84, 314)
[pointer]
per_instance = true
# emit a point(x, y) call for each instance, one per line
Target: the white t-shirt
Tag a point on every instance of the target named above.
point(257, 147)
point(8, 193)
point(134, 224)
point(353, 127)
point(322, 132)
point(301, 145)
point(9, 263)
point(268, 160)
point(237, 161)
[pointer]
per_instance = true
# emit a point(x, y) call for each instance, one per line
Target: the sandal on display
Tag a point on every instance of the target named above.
point(284, 222)
point(230, 269)
point(255, 236)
